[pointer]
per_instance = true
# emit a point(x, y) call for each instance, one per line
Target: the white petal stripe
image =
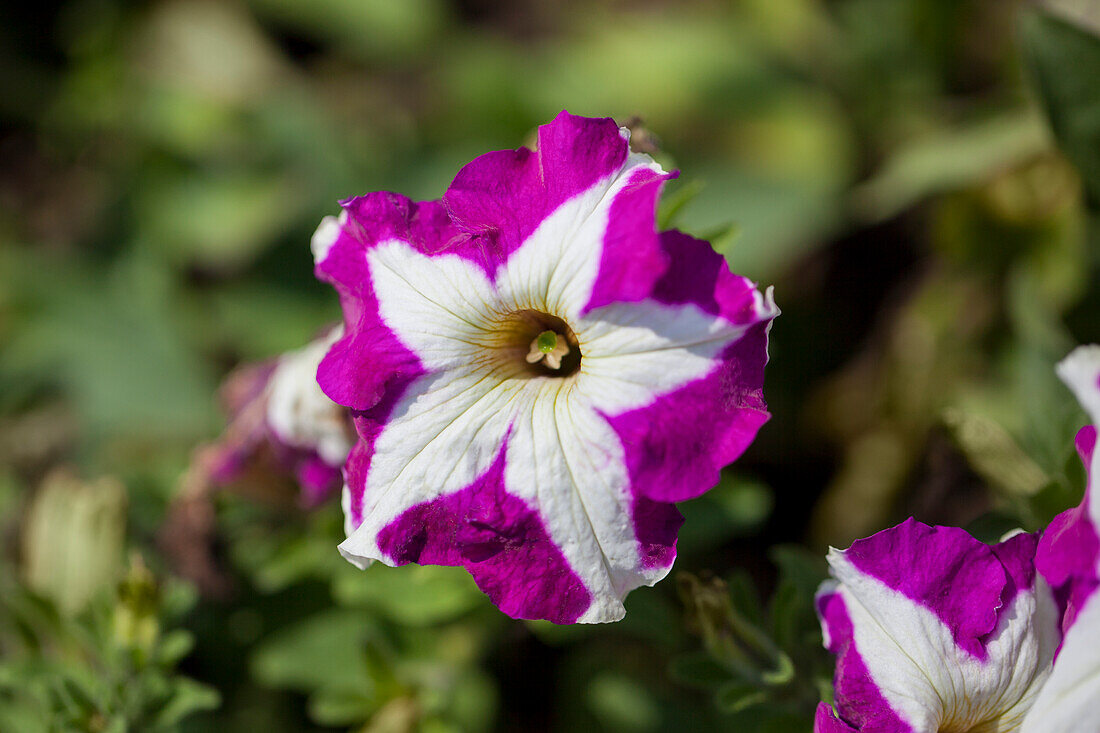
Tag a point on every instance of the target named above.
point(448, 431)
point(932, 683)
point(626, 364)
point(439, 306)
point(1070, 700)
point(556, 267)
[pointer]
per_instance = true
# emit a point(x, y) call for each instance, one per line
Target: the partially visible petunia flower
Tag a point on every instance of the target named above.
point(1069, 559)
point(536, 373)
point(281, 424)
point(935, 631)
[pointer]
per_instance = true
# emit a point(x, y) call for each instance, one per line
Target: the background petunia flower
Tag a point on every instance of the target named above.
point(282, 423)
point(935, 631)
point(536, 373)
point(1069, 559)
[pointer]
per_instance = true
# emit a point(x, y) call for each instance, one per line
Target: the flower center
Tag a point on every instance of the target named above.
point(542, 344)
point(548, 348)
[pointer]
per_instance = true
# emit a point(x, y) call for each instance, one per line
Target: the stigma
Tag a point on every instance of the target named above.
point(549, 348)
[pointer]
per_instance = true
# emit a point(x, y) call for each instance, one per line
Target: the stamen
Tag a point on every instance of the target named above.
point(549, 348)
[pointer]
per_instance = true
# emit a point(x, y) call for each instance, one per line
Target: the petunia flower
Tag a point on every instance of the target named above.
point(935, 631)
point(536, 373)
point(1069, 559)
point(282, 424)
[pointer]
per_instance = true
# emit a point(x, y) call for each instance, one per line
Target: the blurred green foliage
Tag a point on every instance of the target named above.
point(918, 178)
point(88, 644)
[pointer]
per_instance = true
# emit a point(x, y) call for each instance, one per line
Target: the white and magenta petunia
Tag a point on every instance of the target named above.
point(935, 631)
point(1069, 559)
point(536, 373)
point(282, 424)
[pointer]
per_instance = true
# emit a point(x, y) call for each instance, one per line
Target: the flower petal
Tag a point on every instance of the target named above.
point(281, 425)
point(709, 331)
point(1069, 558)
point(631, 258)
point(1069, 555)
point(826, 721)
point(443, 435)
point(935, 630)
point(1081, 373)
point(370, 359)
point(565, 460)
point(597, 247)
point(942, 568)
point(505, 196)
point(298, 412)
point(437, 306)
point(539, 525)
point(1070, 549)
point(502, 542)
point(1070, 700)
point(857, 692)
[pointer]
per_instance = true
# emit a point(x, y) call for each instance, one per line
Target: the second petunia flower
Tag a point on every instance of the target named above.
point(537, 374)
point(936, 631)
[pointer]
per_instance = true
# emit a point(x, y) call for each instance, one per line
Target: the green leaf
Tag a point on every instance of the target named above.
point(992, 526)
point(673, 202)
point(745, 597)
point(218, 220)
point(17, 715)
point(945, 160)
point(177, 598)
point(1052, 500)
point(621, 703)
point(735, 507)
point(797, 565)
point(413, 595)
point(729, 637)
point(294, 560)
point(187, 697)
point(116, 724)
point(174, 646)
point(656, 63)
point(724, 238)
point(793, 619)
point(781, 674)
point(994, 454)
point(735, 697)
point(78, 703)
point(698, 669)
point(777, 221)
point(340, 707)
point(650, 616)
point(323, 651)
point(788, 610)
point(1065, 61)
point(561, 634)
point(363, 28)
point(112, 343)
point(1051, 415)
